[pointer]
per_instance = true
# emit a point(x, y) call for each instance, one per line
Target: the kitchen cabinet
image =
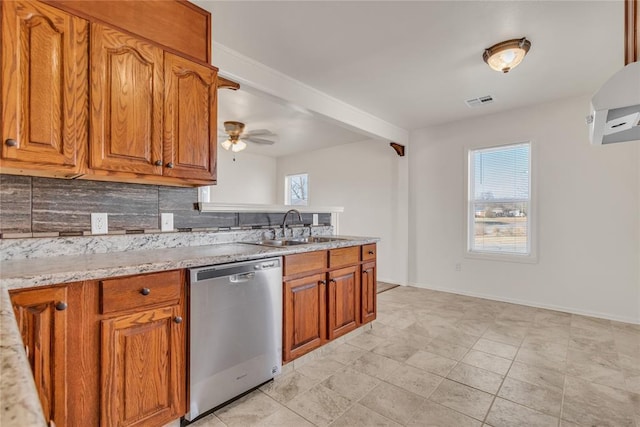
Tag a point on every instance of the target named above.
point(326, 295)
point(42, 320)
point(143, 351)
point(44, 89)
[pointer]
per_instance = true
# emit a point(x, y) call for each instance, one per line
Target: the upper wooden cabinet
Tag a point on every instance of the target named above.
point(631, 31)
point(44, 89)
point(126, 103)
point(190, 118)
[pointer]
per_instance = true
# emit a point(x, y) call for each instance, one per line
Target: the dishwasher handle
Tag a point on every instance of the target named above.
point(242, 278)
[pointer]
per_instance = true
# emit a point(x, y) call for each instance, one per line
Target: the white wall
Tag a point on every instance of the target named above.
point(370, 181)
point(250, 179)
point(588, 214)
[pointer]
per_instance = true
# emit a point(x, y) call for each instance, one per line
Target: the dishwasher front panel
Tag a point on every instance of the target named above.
point(236, 330)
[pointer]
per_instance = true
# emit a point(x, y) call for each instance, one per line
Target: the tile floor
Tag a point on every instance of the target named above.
point(438, 359)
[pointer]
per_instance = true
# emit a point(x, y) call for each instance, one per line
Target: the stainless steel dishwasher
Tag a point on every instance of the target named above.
point(236, 330)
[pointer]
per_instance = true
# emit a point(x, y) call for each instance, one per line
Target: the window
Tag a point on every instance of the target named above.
point(296, 189)
point(499, 201)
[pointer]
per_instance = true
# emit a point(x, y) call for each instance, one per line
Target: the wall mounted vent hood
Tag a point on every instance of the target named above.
point(615, 108)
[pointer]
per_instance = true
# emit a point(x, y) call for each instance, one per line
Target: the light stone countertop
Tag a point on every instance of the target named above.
point(20, 405)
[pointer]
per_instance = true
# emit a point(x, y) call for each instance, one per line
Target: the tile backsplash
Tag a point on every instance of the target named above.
point(43, 205)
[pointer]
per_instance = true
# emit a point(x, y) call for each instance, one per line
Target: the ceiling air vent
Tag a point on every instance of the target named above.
point(476, 102)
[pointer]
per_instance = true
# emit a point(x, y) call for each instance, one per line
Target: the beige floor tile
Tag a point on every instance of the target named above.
point(350, 383)
point(284, 417)
point(537, 375)
point(446, 349)
point(248, 410)
point(487, 361)
point(319, 405)
point(504, 413)
point(454, 335)
point(475, 327)
point(462, 398)
point(496, 348)
point(601, 368)
point(396, 349)
point(543, 399)
point(346, 353)
point(415, 380)
point(375, 365)
point(587, 403)
point(431, 363)
point(359, 415)
point(399, 321)
point(286, 387)
point(321, 368)
point(366, 341)
point(544, 360)
point(475, 377)
point(432, 414)
point(393, 402)
point(511, 335)
point(545, 317)
point(208, 421)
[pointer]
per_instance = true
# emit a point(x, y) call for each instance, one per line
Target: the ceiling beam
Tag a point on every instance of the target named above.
point(257, 77)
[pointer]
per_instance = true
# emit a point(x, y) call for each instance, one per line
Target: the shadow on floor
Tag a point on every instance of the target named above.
point(383, 286)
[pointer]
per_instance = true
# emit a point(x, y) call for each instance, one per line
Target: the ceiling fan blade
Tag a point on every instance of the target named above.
point(259, 141)
point(258, 132)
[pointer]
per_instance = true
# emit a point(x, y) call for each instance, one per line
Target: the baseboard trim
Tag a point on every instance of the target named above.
point(571, 310)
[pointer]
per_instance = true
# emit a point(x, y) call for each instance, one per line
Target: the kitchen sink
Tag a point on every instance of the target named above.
point(296, 241)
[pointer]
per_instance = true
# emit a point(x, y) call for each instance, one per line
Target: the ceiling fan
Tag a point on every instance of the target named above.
point(236, 136)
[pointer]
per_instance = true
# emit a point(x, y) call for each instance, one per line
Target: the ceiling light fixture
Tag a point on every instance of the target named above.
point(506, 55)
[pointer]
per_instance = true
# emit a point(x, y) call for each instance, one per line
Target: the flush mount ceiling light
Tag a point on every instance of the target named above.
point(506, 55)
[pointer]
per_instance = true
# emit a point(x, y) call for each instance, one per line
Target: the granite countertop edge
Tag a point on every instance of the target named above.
point(18, 395)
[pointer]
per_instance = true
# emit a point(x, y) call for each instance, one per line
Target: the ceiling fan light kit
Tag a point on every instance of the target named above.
point(506, 55)
point(237, 137)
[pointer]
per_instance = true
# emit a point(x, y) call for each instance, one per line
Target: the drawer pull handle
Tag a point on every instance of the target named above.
point(370, 252)
point(178, 319)
point(170, 165)
point(145, 291)
point(158, 163)
point(11, 143)
point(60, 306)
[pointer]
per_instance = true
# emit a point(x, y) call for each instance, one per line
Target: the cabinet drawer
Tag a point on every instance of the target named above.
point(344, 256)
point(301, 263)
point(368, 252)
point(131, 292)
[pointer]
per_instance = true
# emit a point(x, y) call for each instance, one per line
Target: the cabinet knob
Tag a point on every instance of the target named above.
point(11, 143)
point(365, 272)
point(158, 163)
point(323, 282)
point(370, 252)
point(332, 281)
point(60, 306)
point(145, 291)
point(170, 165)
point(178, 319)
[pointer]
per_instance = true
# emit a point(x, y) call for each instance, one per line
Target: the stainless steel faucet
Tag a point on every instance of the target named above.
point(284, 220)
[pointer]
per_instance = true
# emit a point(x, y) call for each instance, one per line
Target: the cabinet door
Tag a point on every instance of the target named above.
point(344, 301)
point(190, 119)
point(44, 88)
point(143, 368)
point(304, 315)
point(42, 320)
point(126, 103)
point(368, 292)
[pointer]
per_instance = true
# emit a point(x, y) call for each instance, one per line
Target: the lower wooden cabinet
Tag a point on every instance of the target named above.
point(304, 315)
point(369, 292)
point(143, 366)
point(344, 301)
point(42, 320)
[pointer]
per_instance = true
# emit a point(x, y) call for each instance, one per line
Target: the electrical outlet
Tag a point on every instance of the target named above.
point(458, 266)
point(166, 221)
point(315, 219)
point(99, 223)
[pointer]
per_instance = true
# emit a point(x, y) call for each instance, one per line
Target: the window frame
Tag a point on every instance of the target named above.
point(469, 212)
point(287, 189)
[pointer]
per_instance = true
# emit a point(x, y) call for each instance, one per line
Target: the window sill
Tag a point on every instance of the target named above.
point(502, 257)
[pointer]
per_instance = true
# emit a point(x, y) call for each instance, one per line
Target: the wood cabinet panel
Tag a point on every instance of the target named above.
point(344, 256)
point(369, 292)
point(631, 31)
point(126, 293)
point(126, 103)
point(343, 301)
point(369, 252)
point(44, 88)
point(143, 367)
point(304, 263)
point(190, 119)
point(42, 321)
point(304, 326)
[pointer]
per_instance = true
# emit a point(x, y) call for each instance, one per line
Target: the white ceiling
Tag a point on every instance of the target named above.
point(414, 63)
